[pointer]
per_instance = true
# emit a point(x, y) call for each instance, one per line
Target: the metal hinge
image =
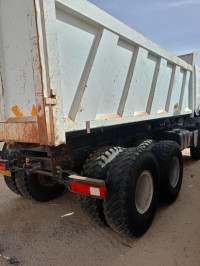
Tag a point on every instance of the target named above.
point(50, 101)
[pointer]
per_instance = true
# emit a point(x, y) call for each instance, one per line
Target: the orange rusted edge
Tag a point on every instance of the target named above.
point(39, 95)
point(19, 132)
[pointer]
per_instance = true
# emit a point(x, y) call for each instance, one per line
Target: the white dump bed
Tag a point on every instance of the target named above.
point(66, 66)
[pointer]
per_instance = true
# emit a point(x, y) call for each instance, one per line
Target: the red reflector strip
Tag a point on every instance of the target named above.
point(88, 189)
point(2, 167)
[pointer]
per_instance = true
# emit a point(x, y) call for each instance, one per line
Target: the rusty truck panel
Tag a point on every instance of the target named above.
point(21, 96)
point(66, 66)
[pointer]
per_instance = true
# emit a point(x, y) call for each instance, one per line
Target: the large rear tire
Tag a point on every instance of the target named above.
point(37, 187)
point(170, 162)
point(10, 181)
point(132, 192)
point(96, 166)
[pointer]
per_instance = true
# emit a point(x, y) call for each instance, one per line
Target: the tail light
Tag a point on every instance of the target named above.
point(86, 189)
point(2, 167)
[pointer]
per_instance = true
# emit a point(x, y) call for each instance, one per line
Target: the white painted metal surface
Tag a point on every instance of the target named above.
point(197, 88)
point(66, 65)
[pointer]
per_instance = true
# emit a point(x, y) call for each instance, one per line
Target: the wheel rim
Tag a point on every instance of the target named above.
point(144, 192)
point(174, 171)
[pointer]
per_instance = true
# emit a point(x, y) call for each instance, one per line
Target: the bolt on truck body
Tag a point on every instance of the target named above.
point(81, 95)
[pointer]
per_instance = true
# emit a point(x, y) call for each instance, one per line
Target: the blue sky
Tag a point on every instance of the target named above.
point(173, 24)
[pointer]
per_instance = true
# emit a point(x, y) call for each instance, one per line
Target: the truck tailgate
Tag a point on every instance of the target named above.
point(21, 95)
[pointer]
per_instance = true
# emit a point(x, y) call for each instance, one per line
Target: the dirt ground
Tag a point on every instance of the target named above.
point(58, 233)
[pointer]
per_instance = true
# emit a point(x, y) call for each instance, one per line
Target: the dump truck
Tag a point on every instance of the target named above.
point(90, 104)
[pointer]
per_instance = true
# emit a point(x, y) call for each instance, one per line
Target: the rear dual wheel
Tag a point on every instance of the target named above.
point(134, 181)
point(96, 166)
point(10, 181)
point(37, 187)
point(34, 186)
point(169, 157)
point(133, 192)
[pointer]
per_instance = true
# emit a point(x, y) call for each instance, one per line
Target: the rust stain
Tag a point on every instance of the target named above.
point(16, 111)
point(67, 120)
point(44, 138)
point(2, 84)
point(19, 132)
point(39, 108)
point(161, 112)
point(34, 110)
point(141, 113)
point(107, 116)
point(24, 119)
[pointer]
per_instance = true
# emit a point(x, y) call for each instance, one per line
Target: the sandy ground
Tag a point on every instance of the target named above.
point(58, 233)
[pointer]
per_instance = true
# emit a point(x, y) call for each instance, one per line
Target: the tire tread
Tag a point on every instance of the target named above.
point(118, 182)
point(96, 166)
